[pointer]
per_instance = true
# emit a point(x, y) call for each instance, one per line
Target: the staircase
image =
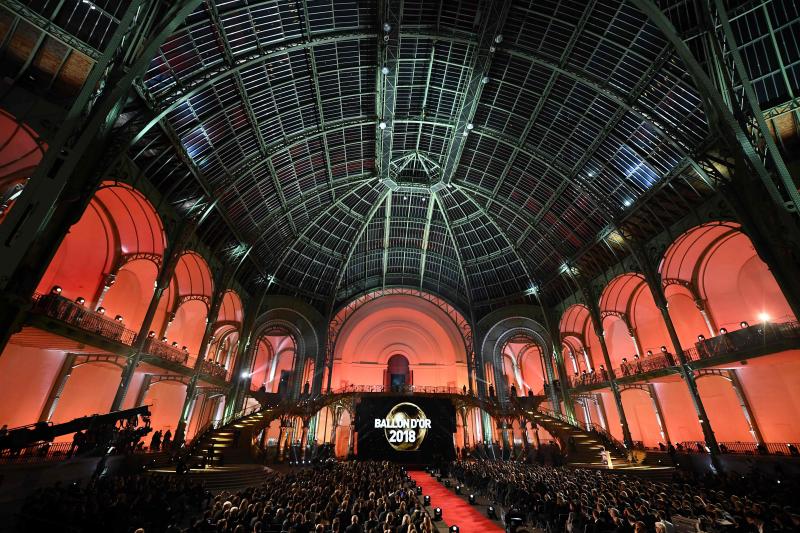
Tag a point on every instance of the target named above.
point(229, 444)
point(219, 478)
point(586, 452)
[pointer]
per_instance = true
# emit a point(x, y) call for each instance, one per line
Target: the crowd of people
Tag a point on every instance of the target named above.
point(595, 501)
point(120, 504)
point(351, 497)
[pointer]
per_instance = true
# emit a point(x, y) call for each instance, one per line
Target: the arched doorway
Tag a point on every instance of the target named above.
point(397, 372)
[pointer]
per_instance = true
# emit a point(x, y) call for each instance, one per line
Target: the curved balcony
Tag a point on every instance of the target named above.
point(79, 316)
point(165, 351)
point(214, 370)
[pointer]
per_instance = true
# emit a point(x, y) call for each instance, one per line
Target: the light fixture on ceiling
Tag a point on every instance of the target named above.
point(470, 125)
point(382, 125)
point(387, 27)
point(384, 70)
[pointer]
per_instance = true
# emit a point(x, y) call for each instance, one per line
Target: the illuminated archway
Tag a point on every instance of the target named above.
point(399, 323)
point(716, 267)
point(21, 150)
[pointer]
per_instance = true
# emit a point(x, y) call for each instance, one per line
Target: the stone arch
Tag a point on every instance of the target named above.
point(306, 326)
point(499, 327)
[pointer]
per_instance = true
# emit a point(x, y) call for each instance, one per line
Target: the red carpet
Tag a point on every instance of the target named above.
point(454, 509)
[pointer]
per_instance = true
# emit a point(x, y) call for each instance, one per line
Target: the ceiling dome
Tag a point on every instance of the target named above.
point(467, 148)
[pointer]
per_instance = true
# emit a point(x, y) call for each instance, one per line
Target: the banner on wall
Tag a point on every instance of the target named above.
point(405, 429)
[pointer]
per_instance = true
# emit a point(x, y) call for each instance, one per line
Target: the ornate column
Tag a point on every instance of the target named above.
point(211, 317)
point(657, 290)
point(563, 377)
point(351, 439)
point(146, 381)
point(738, 388)
point(58, 388)
point(536, 440)
point(175, 247)
point(662, 424)
point(304, 438)
point(637, 345)
point(465, 427)
point(701, 307)
point(244, 358)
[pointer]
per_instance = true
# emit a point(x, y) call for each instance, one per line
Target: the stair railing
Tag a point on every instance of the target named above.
point(610, 440)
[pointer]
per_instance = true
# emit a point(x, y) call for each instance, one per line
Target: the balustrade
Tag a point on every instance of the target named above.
point(216, 370)
point(65, 310)
point(165, 351)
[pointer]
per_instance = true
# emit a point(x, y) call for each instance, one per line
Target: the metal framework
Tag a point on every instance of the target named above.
point(469, 149)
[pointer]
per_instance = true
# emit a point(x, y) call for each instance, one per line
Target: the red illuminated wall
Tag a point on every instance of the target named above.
point(399, 324)
point(714, 267)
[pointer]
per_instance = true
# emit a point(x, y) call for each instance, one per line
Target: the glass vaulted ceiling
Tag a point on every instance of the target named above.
point(465, 147)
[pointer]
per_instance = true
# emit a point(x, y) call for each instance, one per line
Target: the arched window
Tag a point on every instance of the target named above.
point(397, 372)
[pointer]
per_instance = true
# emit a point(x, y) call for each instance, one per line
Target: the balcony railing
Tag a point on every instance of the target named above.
point(589, 378)
point(744, 448)
point(74, 314)
point(213, 369)
point(749, 338)
point(644, 364)
point(752, 337)
point(165, 351)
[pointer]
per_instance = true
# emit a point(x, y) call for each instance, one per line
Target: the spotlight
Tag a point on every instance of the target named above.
point(454, 529)
point(387, 27)
point(744, 324)
point(245, 375)
point(458, 489)
point(491, 513)
point(419, 489)
point(56, 290)
point(118, 318)
point(649, 353)
point(763, 317)
point(723, 331)
point(472, 499)
point(384, 70)
point(174, 344)
point(382, 125)
point(663, 349)
point(427, 500)
point(437, 514)
point(485, 80)
point(470, 126)
point(164, 339)
point(151, 334)
point(80, 300)
point(701, 338)
point(102, 310)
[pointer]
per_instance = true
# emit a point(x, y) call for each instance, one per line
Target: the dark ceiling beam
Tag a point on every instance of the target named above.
point(493, 14)
point(352, 247)
point(467, 285)
point(387, 228)
point(425, 240)
point(500, 232)
point(48, 27)
point(574, 176)
point(312, 60)
point(715, 107)
point(304, 234)
point(222, 39)
point(386, 75)
point(551, 82)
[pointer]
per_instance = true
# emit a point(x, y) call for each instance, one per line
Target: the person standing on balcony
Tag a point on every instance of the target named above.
point(155, 441)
